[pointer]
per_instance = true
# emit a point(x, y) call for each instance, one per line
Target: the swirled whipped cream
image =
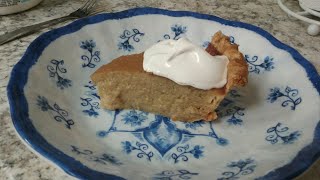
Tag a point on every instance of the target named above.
point(186, 64)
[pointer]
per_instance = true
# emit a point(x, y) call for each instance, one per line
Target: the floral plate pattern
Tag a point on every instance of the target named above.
point(264, 131)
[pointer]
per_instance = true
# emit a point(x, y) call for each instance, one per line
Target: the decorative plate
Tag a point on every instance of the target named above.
point(267, 130)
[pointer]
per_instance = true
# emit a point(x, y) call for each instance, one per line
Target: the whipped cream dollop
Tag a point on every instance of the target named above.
point(186, 64)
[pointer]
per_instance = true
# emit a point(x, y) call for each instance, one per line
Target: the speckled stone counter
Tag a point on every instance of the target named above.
point(18, 162)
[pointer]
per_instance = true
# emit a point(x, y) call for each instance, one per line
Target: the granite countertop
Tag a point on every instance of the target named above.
point(17, 162)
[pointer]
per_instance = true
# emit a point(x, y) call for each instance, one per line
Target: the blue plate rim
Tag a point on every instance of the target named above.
point(26, 130)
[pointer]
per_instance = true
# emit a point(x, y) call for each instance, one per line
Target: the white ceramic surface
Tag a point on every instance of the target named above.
point(267, 130)
point(14, 6)
point(312, 4)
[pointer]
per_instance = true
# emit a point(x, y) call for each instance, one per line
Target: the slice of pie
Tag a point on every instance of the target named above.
point(123, 84)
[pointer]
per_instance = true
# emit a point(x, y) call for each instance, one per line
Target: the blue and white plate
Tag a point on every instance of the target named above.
point(267, 130)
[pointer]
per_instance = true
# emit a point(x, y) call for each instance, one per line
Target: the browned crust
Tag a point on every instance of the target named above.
point(237, 67)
